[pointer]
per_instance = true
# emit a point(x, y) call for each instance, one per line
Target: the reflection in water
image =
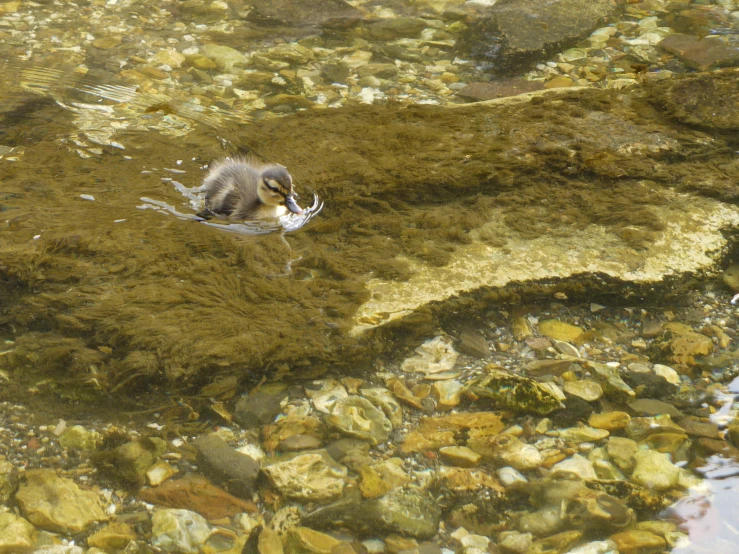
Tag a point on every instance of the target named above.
point(709, 513)
point(286, 223)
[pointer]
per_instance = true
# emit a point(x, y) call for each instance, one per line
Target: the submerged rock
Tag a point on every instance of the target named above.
point(233, 470)
point(519, 394)
point(407, 511)
point(357, 417)
point(312, 476)
point(179, 531)
point(516, 33)
point(57, 504)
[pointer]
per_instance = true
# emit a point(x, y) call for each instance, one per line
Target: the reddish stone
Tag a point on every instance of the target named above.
point(196, 493)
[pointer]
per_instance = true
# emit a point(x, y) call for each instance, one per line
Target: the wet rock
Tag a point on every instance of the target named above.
point(696, 101)
point(383, 399)
point(408, 511)
point(697, 428)
point(233, 470)
point(312, 476)
point(507, 450)
point(292, 54)
point(604, 468)
point(401, 27)
point(560, 542)
point(590, 391)
point(382, 477)
point(335, 72)
point(357, 417)
point(179, 531)
point(649, 385)
point(509, 40)
point(472, 343)
point(638, 542)
point(129, 462)
point(433, 433)
point(303, 13)
point(113, 536)
point(596, 547)
point(510, 477)
point(447, 394)
point(622, 451)
point(641, 427)
point(302, 540)
point(57, 504)
point(16, 534)
point(613, 385)
point(78, 437)
point(159, 472)
point(225, 57)
point(197, 494)
point(559, 330)
point(8, 480)
point(650, 406)
point(596, 510)
point(703, 54)
point(269, 542)
point(515, 542)
point(169, 57)
point(582, 434)
point(576, 465)
point(260, 406)
point(667, 373)
point(610, 421)
point(498, 89)
point(293, 424)
point(682, 345)
point(460, 456)
point(434, 356)
point(516, 393)
point(655, 471)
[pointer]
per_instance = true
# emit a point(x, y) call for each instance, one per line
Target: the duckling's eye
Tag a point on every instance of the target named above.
point(272, 187)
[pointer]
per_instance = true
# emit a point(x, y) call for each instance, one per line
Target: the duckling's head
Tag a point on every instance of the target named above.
point(276, 189)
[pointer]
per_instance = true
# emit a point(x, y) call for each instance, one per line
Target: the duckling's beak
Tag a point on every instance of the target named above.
point(292, 205)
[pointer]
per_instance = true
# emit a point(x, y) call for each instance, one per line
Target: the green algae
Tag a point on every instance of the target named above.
point(109, 295)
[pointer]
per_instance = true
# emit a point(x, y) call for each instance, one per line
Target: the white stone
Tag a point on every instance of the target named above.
point(667, 373)
point(179, 530)
point(577, 465)
point(510, 476)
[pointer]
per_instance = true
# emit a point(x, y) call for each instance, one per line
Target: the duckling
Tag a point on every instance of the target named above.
point(243, 189)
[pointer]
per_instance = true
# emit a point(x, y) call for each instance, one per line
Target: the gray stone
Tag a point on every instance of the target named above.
point(303, 13)
point(701, 53)
point(401, 27)
point(179, 531)
point(518, 33)
point(408, 511)
point(261, 406)
point(233, 470)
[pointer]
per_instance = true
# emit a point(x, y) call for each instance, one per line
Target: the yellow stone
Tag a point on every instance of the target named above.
point(610, 421)
point(106, 43)
point(559, 82)
point(112, 537)
point(559, 330)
